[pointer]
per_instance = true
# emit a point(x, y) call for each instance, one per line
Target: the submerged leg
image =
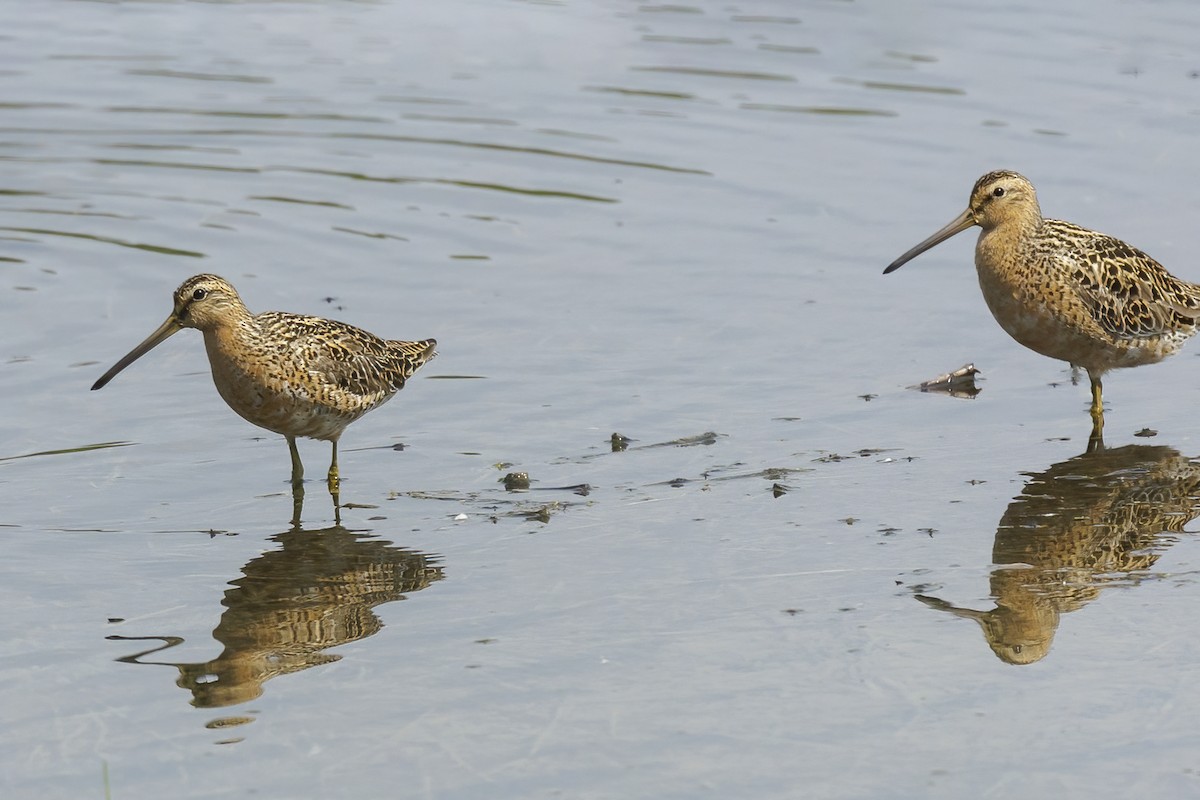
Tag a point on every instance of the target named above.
point(1097, 404)
point(297, 467)
point(1096, 440)
point(335, 486)
point(334, 480)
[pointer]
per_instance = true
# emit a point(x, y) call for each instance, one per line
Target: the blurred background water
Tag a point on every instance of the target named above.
point(801, 578)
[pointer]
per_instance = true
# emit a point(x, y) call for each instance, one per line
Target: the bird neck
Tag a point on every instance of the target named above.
point(1011, 236)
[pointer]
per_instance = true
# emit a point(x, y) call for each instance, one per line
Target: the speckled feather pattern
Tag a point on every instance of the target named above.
point(293, 374)
point(1083, 523)
point(1068, 292)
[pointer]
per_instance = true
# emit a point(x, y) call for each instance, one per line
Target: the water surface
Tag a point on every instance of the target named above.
point(800, 577)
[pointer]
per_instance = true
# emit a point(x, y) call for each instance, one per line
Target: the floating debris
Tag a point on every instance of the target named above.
point(706, 438)
point(540, 515)
point(866, 452)
point(581, 489)
point(619, 442)
point(1146, 433)
point(516, 481)
point(519, 482)
point(959, 383)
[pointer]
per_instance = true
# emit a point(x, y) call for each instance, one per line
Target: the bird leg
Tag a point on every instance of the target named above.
point(297, 467)
point(1097, 404)
point(334, 480)
point(335, 485)
point(1096, 439)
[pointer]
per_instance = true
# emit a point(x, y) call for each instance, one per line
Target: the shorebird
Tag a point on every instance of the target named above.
point(292, 374)
point(1069, 292)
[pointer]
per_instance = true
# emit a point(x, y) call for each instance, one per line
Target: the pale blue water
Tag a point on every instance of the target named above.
point(659, 220)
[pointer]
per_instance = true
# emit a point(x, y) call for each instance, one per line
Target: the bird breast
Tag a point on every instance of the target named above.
point(270, 386)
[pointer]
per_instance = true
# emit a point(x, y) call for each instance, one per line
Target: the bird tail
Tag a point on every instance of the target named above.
point(417, 352)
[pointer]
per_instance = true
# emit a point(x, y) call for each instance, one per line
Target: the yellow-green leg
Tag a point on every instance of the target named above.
point(297, 467)
point(334, 480)
point(1097, 403)
point(1096, 440)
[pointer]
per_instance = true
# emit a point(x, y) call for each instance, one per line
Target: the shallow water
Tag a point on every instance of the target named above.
point(801, 578)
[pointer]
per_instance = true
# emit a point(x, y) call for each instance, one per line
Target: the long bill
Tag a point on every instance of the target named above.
point(164, 331)
point(957, 225)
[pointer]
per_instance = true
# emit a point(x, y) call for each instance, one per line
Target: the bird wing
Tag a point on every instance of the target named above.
point(1126, 292)
point(342, 357)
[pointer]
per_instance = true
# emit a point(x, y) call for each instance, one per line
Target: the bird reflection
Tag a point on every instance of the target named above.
point(292, 604)
point(1091, 521)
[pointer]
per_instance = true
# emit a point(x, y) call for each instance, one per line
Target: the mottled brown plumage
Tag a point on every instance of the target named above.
point(291, 374)
point(311, 591)
point(1068, 292)
point(1099, 519)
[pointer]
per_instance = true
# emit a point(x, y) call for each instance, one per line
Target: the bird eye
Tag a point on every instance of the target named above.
point(998, 191)
point(199, 294)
